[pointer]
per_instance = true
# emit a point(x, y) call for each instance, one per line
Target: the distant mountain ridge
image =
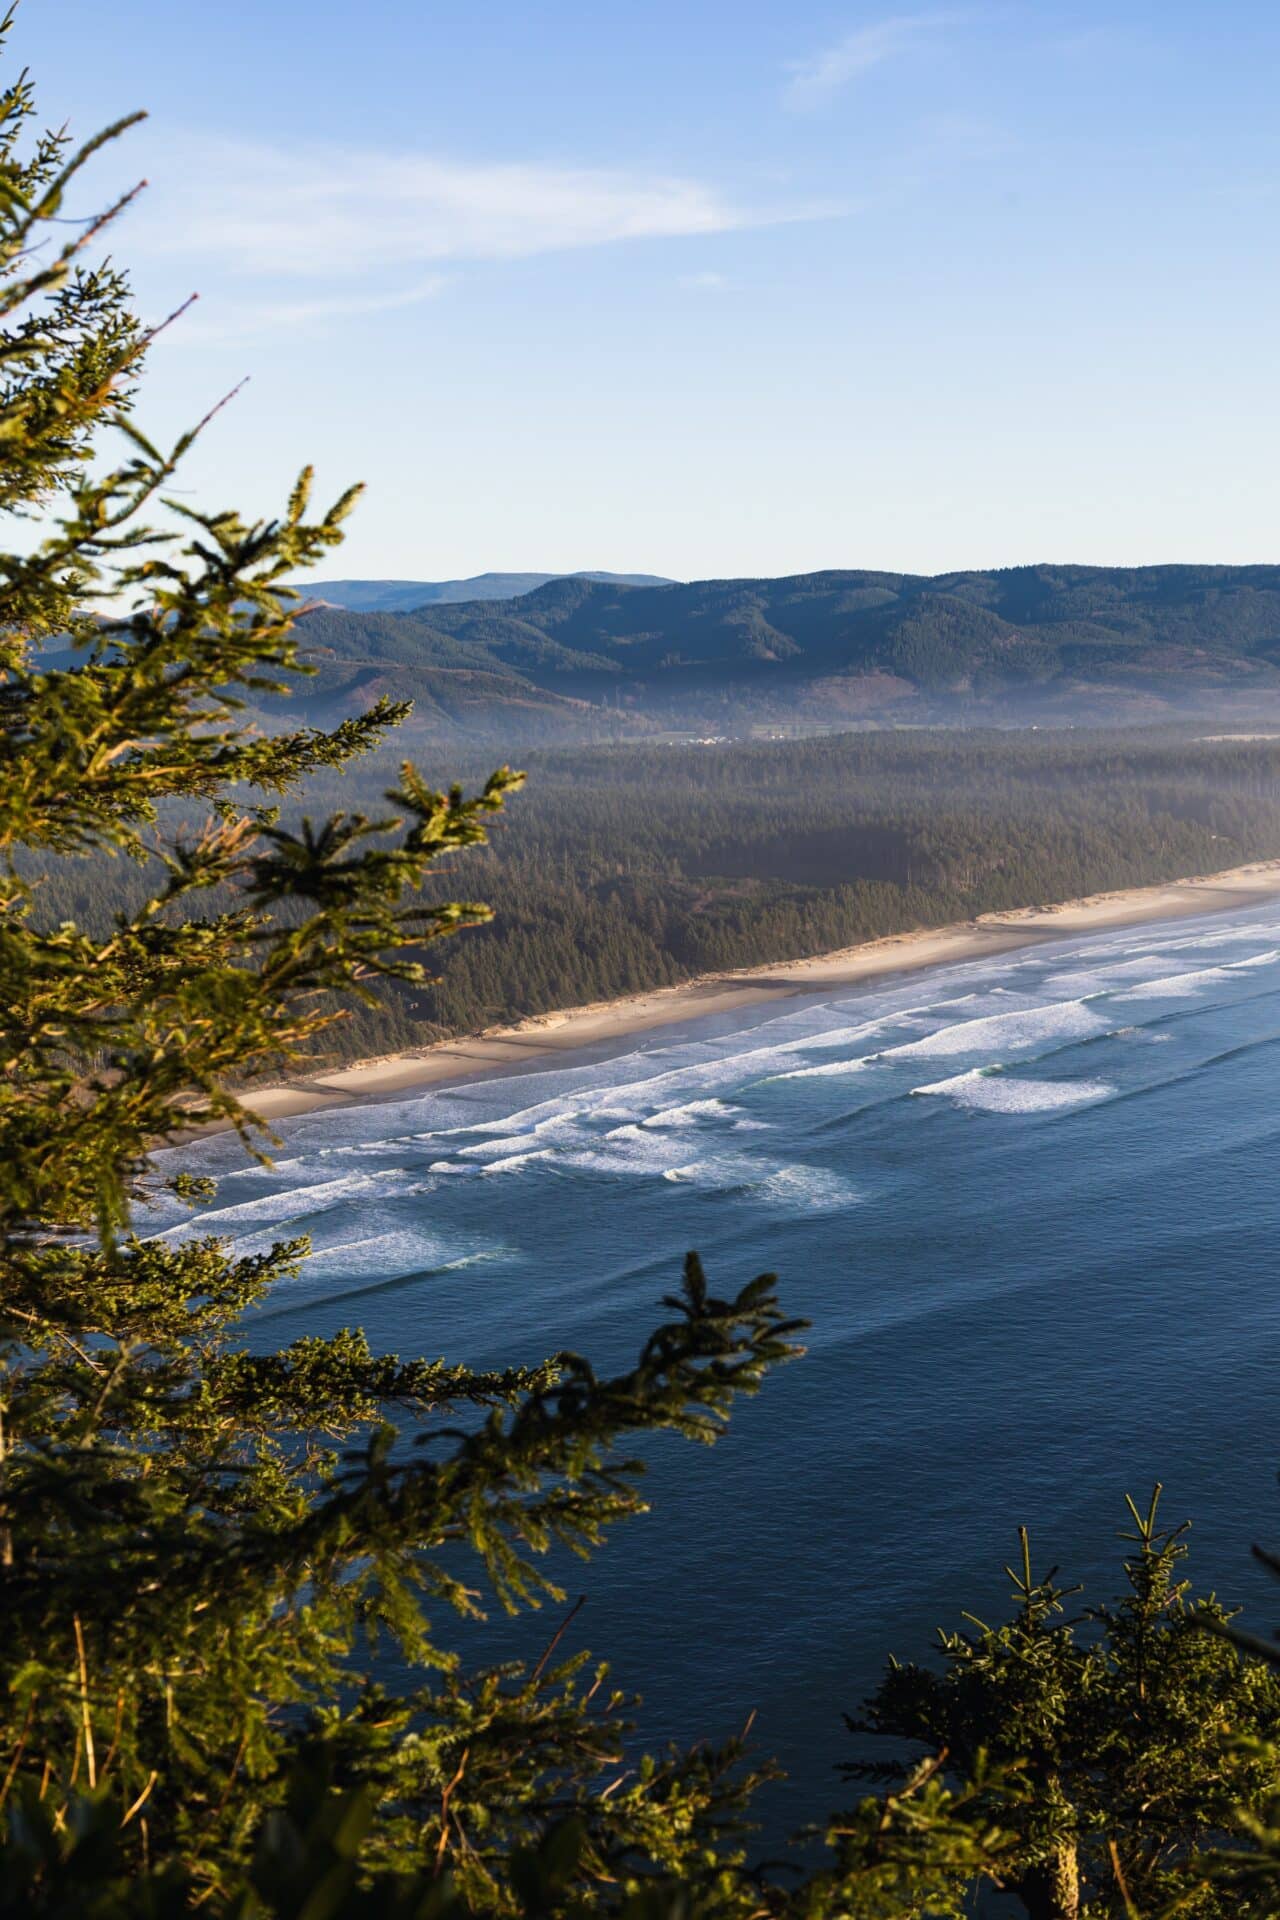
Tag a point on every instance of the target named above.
point(404, 596)
point(835, 647)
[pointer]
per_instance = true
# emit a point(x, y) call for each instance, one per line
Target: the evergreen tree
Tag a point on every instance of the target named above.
point(1138, 1734)
point(202, 1548)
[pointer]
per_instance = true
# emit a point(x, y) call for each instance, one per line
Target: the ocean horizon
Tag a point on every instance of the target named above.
point(1028, 1205)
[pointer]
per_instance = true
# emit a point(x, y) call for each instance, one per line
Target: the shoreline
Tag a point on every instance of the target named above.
point(538, 1039)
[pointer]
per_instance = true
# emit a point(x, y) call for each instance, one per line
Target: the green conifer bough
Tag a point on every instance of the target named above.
point(200, 1549)
point(203, 1549)
point(1138, 1735)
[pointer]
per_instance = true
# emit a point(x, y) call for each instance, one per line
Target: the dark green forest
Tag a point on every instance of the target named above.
point(624, 868)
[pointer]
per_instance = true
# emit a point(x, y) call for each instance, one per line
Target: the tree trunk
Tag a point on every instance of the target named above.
point(1052, 1891)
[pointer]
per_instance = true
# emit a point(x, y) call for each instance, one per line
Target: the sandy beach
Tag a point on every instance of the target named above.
point(535, 1041)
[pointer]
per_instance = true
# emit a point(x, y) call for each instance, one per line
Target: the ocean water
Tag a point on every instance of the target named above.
point(1031, 1207)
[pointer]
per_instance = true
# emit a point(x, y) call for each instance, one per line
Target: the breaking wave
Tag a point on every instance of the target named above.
point(987, 1090)
point(830, 1070)
point(1027, 1027)
point(691, 1113)
point(292, 1203)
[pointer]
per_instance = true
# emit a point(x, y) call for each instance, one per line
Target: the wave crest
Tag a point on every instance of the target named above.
point(1025, 1027)
point(988, 1091)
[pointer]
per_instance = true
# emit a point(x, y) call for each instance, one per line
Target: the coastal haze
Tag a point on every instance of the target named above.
point(592, 656)
point(404, 596)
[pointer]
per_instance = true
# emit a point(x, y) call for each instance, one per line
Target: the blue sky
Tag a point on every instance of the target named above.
point(708, 288)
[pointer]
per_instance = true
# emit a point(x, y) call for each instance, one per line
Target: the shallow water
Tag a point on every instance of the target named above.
point(1031, 1207)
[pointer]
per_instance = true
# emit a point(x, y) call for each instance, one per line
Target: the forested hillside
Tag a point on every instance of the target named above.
point(578, 655)
point(622, 868)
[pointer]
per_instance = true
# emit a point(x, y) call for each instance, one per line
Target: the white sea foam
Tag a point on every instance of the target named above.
point(362, 1126)
point(1225, 937)
point(1087, 983)
point(569, 1117)
point(1175, 986)
point(808, 1190)
point(720, 1172)
point(1198, 934)
point(828, 1037)
point(559, 1126)
point(670, 1112)
point(388, 1254)
point(1027, 1027)
point(1148, 974)
point(1267, 959)
point(793, 1188)
point(632, 1133)
point(372, 1149)
point(640, 1155)
point(692, 1113)
point(384, 1253)
point(829, 1070)
point(646, 1098)
point(279, 1169)
point(291, 1203)
point(994, 1092)
point(511, 1162)
point(1154, 981)
point(646, 1146)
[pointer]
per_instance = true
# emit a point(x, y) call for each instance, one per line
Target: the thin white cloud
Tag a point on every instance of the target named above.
point(221, 322)
point(705, 282)
point(815, 81)
point(329, 214)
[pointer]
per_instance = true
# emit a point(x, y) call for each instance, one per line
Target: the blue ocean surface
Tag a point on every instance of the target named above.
point(1031, 1207)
